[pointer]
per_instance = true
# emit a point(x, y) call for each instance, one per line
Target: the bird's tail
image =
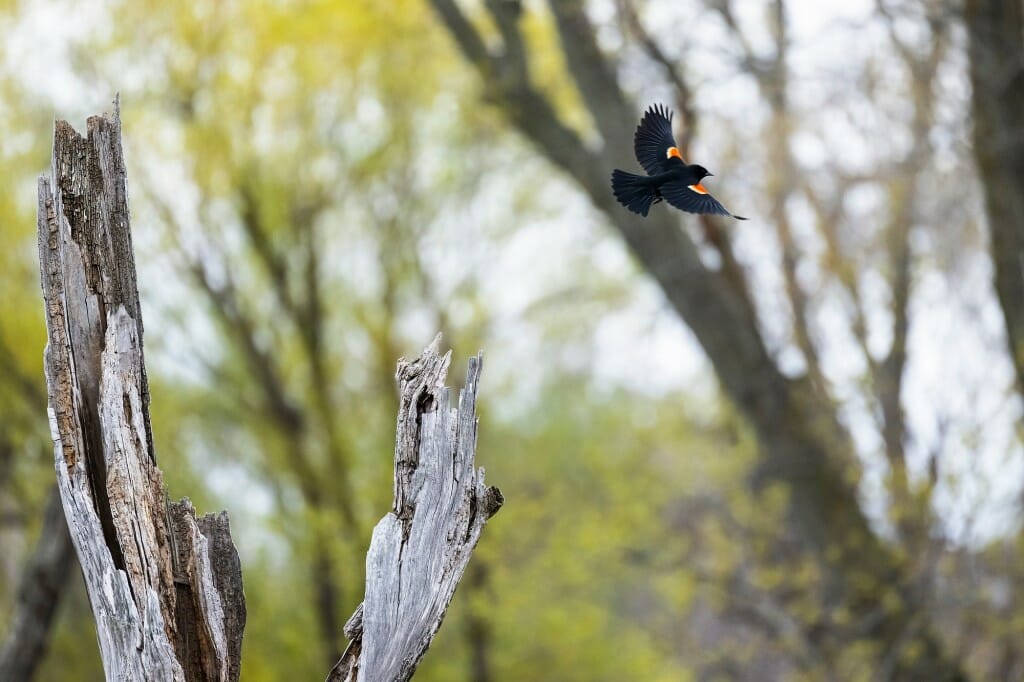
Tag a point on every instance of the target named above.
point(635, 192)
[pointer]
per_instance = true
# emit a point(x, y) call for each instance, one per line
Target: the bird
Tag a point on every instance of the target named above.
point(668, 177)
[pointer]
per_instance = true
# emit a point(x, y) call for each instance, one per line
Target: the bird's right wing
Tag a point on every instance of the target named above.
point(653, 140)
point(693, 199)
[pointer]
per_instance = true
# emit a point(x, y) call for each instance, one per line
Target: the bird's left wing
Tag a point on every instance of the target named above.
point(693, 199)
point(653, 141)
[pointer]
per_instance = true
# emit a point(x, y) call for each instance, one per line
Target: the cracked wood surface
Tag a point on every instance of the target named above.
point(165, 587)
point(421, 548)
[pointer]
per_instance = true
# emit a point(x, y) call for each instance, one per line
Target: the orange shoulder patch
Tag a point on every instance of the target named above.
point(698, 188)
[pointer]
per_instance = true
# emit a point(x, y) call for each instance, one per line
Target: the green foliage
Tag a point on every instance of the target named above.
point(597, 528)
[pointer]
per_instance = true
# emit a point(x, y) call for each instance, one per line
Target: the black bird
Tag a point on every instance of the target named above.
point(668, 176)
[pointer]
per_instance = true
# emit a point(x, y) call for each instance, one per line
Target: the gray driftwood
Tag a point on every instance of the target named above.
point(420, 549)
point(165, 587)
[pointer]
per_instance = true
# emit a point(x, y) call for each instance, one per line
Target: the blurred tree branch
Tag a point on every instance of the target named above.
point(772, 79)
point(911, 510)
point(281, 408)
point(684, 94)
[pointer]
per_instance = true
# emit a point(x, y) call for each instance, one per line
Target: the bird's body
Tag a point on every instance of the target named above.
point(639, 192)
point(668, 177)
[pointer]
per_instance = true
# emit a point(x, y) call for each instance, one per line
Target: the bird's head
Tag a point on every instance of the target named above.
point(701, 171)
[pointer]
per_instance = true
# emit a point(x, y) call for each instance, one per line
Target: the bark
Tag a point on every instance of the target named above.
point(421, 548)
point(44, 581)
point(802, 442)
point(996, 53)
point(165, 586)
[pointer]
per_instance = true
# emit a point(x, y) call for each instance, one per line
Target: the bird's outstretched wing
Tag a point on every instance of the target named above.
point(653, 140)
point(693, 199)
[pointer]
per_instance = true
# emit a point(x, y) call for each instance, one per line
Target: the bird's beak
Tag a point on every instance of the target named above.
point(710, 174)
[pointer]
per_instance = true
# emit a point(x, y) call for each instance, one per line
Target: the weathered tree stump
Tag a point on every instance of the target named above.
point(165, 587)
point(420, 549)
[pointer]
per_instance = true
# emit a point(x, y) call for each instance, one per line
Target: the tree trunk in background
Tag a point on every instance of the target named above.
point(996, 52)
point(802, 443)
point(46, 576)
point(479, 628)
point(420, 549)
point(165, 586)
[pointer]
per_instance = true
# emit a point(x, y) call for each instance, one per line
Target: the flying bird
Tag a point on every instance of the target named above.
point(668, 176)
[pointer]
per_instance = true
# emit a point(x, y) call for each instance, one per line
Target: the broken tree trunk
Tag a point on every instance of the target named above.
point(420, 549)
point(165, 587)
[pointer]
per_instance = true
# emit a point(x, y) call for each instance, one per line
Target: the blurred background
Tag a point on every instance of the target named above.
point(786, 449)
